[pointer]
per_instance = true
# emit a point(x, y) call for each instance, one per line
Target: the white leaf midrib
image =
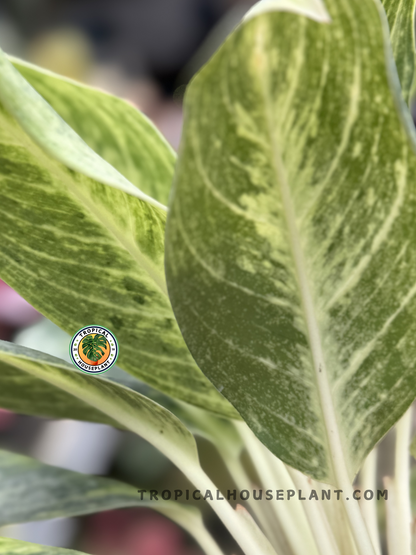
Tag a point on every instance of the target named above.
point(337, 461)
point(99, 214)
point(337, 464)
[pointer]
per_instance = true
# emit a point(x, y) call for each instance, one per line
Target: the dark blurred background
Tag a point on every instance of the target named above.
point(145, 51)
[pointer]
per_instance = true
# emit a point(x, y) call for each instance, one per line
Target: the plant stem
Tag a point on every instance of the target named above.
point(391, 517)
point(368, 480)
point(317, 519)
point(240, 477)
point(358, 528)
point(295, 526)
point(250, 543)
point(403, 514)
point(230, 446)
point(205, 540)
point(337, 521)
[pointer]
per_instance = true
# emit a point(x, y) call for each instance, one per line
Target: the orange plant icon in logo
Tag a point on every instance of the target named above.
point(94, 349)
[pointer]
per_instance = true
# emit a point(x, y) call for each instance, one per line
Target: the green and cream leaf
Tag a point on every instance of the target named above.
point(47, 129)
point(401, 19)
point(83, 253)
point(136, 413)
point(26, 393)
point(111, 127)
point(127, 408)
point(291, 240)
point(51, 492)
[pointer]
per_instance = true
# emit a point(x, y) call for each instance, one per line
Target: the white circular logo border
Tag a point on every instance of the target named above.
point(87, 368)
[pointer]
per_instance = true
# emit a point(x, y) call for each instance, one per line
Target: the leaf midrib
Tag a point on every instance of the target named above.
point(98, 213)
point(337, 465)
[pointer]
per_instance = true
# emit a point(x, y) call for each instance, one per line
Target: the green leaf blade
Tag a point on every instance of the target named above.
point(50, 492)
point(111, 127)
point(83, 253)
point(24, 393)
point(48, 130)
point(138, 414)
point(9, 546)
point(93, 395)
point(289, 240)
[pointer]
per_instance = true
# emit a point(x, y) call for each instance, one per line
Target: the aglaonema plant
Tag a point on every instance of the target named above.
point(277, 309)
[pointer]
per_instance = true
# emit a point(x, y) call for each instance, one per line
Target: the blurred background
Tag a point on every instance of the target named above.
point(145, 51)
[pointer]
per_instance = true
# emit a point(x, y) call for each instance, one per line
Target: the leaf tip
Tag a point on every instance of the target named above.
point(314, 9)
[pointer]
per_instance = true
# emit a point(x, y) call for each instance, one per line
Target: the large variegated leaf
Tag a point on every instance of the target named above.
point(401, 18)
point(84, 253)
point(30, 490)
point(291, 257)
point(25, 393)
point(24, 372)
point(134, 412)
point(17, 547)
point(112, 127)
point(44, 126)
